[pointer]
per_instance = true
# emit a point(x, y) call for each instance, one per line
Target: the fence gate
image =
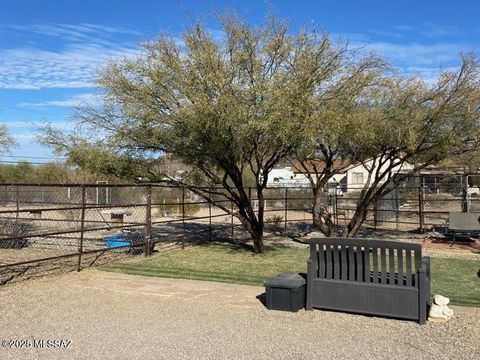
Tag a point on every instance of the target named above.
point(387, 207)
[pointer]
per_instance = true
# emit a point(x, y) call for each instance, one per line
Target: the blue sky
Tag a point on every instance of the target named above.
point(51, 49)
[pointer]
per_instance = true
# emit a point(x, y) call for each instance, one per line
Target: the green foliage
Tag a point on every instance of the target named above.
point(96, 157)
point(21, 172)
point(24, 172)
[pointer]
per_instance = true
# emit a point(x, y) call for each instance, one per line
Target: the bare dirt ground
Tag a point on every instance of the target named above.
point(118, 316)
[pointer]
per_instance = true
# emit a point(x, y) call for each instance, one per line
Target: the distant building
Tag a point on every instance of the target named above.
point(350, 177)
point(286, 177)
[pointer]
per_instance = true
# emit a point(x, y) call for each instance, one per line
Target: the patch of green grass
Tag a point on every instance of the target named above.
point(457, 280)
point(453, 278)
point(224, 263)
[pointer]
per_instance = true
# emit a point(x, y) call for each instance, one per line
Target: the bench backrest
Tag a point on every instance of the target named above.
point(372, 261)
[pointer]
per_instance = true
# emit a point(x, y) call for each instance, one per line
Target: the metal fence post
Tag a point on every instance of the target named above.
point(397, 212)
point(183, 217)
point(148, 222)
point(465, 197)
point(17, 200)
point(335, 206)
point(209, 215)
point(231, 220)
point(286, 207)
point(82, 228)
point(421, 205)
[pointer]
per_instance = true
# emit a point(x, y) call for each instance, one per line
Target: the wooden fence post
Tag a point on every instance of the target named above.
point(82, 229)
point(148, 222)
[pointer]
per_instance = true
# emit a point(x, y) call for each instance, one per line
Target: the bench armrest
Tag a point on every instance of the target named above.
point(426, 268)
point(426, 265)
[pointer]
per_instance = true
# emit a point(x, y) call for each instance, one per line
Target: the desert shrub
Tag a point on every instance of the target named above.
point(274, 220)
point(10, 228)
point(173, 206)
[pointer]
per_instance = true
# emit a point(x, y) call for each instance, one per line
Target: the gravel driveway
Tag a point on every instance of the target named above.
point(117, 316)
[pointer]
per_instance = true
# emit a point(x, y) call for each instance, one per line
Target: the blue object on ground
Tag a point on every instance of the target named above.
point(115, 240)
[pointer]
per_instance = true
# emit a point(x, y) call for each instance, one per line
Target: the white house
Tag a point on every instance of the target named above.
point(352, 177)
point(357, 175)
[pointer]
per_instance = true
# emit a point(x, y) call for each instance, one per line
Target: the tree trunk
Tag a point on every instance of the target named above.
point(321, 218)
point(357, 220)
point(257, 237)
point(252, 222)
point(257, 234)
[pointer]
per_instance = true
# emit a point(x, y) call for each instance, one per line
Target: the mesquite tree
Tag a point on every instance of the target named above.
point(336, 123)
point(226, 107)
point(400, 126)
point(6, 139)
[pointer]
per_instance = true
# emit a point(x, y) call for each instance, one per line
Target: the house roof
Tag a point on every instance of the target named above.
point(309, 166)
point(339, 166)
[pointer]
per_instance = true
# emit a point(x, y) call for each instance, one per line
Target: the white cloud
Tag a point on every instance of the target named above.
point(82, 50)
point(413, 58)
point(29, 128)
point(72, 101)
point(433, 30)
point(425, 60)
point(86, 48)
point(84, 32)
point(419, 54)
point(74, 67)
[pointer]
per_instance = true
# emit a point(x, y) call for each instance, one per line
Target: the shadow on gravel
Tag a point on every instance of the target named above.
point(262, 298)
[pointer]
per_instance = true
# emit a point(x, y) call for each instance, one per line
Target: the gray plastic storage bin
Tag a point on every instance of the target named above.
point(285, 292)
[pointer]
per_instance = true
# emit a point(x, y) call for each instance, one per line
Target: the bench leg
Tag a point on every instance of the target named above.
point(308, 297)
point(422, 296)
point(310, 275)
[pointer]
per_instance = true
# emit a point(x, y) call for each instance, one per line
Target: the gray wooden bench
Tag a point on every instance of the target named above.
point(374, 277)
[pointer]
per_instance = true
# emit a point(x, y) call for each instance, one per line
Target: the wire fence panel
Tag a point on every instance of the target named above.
point(80, 225)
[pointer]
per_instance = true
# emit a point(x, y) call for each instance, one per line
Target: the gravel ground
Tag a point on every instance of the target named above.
point(118, 316)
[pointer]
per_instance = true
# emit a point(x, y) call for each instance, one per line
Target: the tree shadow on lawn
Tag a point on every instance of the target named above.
point(199, 233)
